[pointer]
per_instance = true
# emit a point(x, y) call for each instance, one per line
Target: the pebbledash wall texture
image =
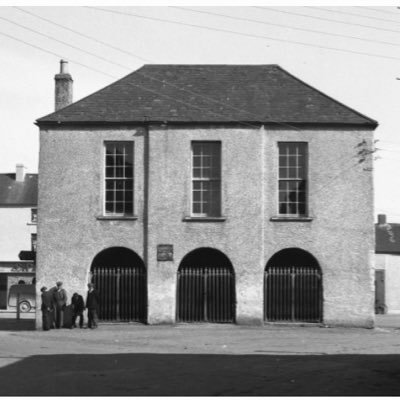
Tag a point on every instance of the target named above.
point(337, 230)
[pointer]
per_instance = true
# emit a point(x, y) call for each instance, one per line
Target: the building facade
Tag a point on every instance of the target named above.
point(387, 267)
point(210, 194)
point(18, 218)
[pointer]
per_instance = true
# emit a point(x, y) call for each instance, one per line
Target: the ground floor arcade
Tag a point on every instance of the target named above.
point(206, 287)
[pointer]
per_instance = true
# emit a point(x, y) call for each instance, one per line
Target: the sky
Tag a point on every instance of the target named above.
point(351, 53)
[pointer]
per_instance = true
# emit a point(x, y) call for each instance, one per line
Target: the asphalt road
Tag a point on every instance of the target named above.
point(208, 360)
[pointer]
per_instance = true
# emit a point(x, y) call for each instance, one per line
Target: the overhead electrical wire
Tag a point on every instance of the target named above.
point(55, 54)
point(132, 84)
point(64, 43)
point(247, 34)
point(376, 9)
point(353, 14)
point(257, 21)
point(173, 85)
point(326, 19)
point(146, 89)
point(111, 46)
point(152, 77)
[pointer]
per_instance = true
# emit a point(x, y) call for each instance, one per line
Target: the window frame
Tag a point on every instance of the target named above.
point(34, 215)
point(119, 215)
point(305, 179)
point(34, 242)
point(211, 179)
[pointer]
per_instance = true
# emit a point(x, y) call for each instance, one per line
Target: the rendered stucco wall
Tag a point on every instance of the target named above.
point(238, 237)
point(15, 233)
point(70, 235)
point(340, 235)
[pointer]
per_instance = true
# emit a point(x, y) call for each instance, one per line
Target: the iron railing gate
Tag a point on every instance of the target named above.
point(206, 294)
point(293, 294)
point(122, 293)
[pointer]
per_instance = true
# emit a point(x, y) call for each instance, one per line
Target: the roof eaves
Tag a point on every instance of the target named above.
point(294, 124)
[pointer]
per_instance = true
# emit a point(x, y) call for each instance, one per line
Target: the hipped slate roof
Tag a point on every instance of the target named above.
point(209, 93)
point(13, 193)
point(387, 238)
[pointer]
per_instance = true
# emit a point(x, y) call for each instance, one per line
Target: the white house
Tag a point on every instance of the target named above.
point(18, 219)
point(387, 266)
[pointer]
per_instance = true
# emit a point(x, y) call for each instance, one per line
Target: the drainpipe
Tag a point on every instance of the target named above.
point(146, 167)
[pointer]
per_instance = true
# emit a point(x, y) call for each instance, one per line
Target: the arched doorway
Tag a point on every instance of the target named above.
point(293, 287)
point(206, 287)
point(119, 275)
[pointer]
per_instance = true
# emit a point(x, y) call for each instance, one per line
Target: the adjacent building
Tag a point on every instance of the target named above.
point(387, 266)
point(18, 218)
point(209, 193)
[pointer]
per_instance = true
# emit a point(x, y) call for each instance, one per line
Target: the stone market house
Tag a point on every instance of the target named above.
point(18, 217)
point(209, 193)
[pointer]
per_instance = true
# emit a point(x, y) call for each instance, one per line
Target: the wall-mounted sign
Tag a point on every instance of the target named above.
point(165, 252)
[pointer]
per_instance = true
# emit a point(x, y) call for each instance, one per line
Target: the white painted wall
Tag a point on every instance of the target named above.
point(391, 264)
point(15, 233)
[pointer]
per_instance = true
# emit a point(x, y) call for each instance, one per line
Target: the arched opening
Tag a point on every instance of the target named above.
point(119, 275)
point(206, 287)
point(293, 287)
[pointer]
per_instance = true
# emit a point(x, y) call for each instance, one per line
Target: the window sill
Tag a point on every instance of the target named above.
point(31, 223)
point(204, 219)
point(291, 219)
point(116, 218)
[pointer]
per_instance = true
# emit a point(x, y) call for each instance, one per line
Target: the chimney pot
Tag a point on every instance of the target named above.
point(63, 67)
point(381, 219)
point(63, 90)
point(20, 173)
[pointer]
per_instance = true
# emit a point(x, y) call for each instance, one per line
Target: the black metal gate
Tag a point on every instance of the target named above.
point(206, 294)
point(293, 294)
point(122, 293)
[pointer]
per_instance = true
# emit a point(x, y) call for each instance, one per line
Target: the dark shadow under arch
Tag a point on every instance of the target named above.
point(206, 287)
point(120, 277)
point(293, 257)
point(206, 257)
point(117, 256)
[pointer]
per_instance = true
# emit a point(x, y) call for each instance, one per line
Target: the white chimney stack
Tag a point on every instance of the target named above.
point(20, 173)
point(63, 93)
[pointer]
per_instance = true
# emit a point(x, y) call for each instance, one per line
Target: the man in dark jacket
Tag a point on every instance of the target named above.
point(77, 309)
point(47, 308)
point(60, 302)
point(92, 304)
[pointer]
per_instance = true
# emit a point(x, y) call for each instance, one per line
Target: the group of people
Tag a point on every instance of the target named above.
point(54, 307)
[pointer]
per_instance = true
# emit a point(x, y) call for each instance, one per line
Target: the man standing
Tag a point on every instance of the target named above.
point(60, 302)
point(77, 309)
point(47, 308)
point(92, 304)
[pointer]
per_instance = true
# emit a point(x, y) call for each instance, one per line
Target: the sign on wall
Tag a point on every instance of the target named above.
point(165, 252)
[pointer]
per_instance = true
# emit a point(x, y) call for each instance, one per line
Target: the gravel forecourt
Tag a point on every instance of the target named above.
point(203, 359)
